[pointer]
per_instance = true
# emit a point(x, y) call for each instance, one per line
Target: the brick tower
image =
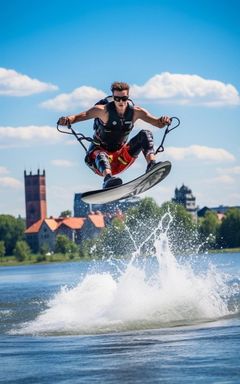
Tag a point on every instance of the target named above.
point(35, 197)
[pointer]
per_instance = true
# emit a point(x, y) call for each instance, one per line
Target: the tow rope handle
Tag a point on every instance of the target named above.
point(167, 130)
point(79, 136)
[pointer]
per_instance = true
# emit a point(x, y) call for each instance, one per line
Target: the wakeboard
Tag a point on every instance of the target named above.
point(132, 188)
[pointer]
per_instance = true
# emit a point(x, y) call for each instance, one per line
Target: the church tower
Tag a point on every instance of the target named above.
point(35, 197)
point(185, 197)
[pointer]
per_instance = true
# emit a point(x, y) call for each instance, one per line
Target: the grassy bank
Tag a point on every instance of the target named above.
point(8, 261)
point(225, 250)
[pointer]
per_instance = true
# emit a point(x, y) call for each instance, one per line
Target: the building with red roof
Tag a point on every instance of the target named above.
point(44, 232)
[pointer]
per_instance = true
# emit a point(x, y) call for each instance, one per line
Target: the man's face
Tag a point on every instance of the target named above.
point(120, 98)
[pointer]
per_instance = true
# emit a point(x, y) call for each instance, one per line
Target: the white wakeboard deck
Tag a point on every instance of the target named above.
point(132, 188)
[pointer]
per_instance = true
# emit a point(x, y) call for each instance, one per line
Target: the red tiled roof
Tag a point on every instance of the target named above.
point(73, 222)
point(34, 228)
point(52, 223)
point(97, 220)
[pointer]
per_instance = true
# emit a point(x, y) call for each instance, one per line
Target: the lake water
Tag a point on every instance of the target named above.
point(156, 320)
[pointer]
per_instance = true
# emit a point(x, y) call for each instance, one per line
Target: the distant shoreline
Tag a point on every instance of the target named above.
point(10, 261)
point(225, 250)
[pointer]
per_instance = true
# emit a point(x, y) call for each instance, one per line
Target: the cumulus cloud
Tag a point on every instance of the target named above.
point(82, 97)
point(13, 83)
point(186, 89)
point(62, 163)
point(10, 182)
point(200, 152)
point(3, 170)
point(29, 135)
point(230, 171)
point(223, 179)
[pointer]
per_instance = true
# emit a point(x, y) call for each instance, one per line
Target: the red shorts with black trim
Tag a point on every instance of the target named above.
point(119, 160)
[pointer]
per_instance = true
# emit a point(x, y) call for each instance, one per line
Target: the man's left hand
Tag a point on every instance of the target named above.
point(164, 120)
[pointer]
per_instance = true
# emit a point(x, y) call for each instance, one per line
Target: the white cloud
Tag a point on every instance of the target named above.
point(25, 136)
point(230, 171)
point(186, 89)
point(62, 163)
point(200, 152)
point(220, 180)
point(3, 170)
point(10, 182)
point(165, 87)
point(13, 83)
point(235, 198)
point(82, 97)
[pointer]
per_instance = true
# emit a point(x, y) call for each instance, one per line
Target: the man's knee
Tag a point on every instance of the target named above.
point(143, 141)
point(146, 137)
point(147, 141)
point(102, 162)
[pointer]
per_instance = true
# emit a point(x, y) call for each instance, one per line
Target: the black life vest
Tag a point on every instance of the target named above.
point(115, 132)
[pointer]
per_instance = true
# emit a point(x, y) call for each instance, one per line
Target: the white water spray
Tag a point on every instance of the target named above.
point(155, 292)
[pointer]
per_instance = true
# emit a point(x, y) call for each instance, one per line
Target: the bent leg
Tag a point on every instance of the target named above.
point(98, 160)
point(102, 163)
point(142, 142)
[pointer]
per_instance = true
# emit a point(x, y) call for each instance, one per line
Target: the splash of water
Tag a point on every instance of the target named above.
point(153, 292)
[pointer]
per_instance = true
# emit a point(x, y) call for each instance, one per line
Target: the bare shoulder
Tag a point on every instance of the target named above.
point(138, 109)
point(100, 107)
point(97, 111)
point(139, 112)
point(143, 114)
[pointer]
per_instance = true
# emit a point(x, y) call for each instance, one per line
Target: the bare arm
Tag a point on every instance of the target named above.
point(143, 114)
point(96, 111)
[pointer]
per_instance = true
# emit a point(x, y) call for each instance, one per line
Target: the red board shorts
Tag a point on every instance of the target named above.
point(119, 160)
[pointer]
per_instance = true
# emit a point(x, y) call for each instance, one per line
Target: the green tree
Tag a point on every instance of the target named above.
point(140, 223)
point(11, 231)
point(2, 249)
point(66, 213)
point(64, 245)
point(143, 224)
point(21, 250)
point(140, 227)
point(114, 240)
point(145, 210)
point(44, 249)
point(73, 248)
point(209, 228)
point(171, 217)
point(87, 248)
point(181, 228)
point(229, 233)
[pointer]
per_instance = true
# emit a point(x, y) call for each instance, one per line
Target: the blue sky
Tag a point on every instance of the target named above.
point(181, 58)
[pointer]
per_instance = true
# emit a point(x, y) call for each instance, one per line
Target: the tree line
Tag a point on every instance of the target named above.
point(136, 231)
point(186, 234)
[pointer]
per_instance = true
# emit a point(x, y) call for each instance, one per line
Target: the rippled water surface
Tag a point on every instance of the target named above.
point(160, 319)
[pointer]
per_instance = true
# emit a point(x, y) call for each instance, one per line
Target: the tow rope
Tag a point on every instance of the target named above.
point(80, 137)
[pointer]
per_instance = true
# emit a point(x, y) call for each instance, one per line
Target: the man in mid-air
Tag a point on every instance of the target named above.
point(109, 152)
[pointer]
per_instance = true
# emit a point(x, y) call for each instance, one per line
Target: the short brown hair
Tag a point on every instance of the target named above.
point(119, 86)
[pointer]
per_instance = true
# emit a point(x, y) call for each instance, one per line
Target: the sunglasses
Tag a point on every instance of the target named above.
point(120, 98)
